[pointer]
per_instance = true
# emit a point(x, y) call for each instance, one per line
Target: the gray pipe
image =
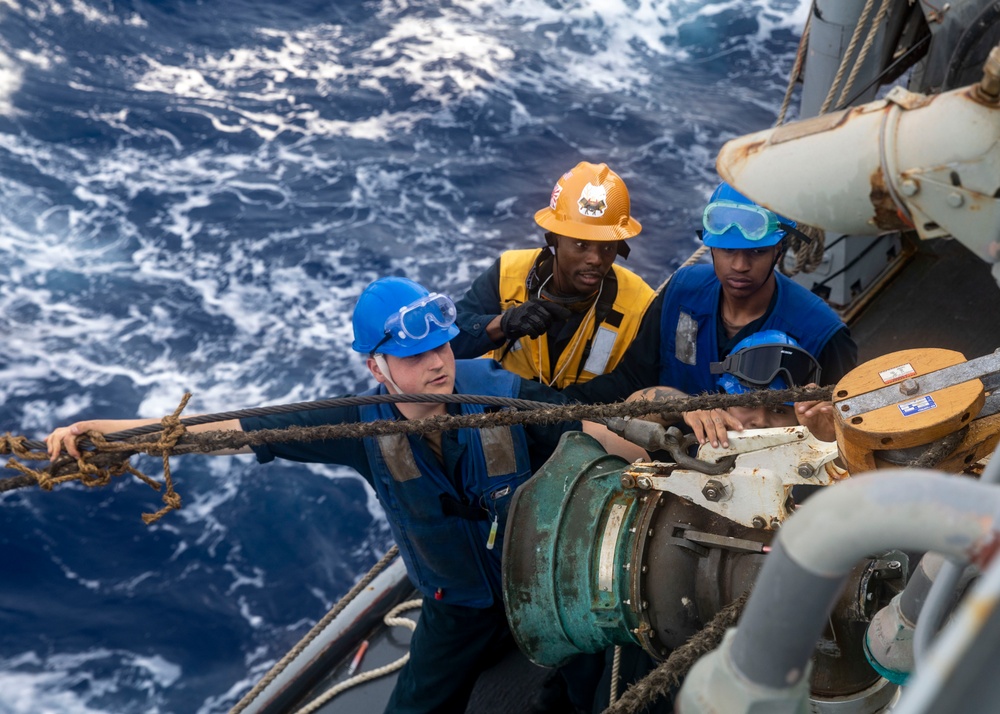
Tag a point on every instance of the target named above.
point(941, 595)
point(911, 600)
point(907, 508)
point(889, 639)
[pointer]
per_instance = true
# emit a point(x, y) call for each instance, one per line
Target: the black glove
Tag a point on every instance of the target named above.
point(532, 318)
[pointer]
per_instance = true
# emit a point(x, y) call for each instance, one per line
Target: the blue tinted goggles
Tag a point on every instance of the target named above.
point(416, 320)
point(760, 365)
point(754, 222)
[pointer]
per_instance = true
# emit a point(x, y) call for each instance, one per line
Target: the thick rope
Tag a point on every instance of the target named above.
point(616, 670)
point(659, 683)
point(808, 256)
point(283, 663)
point(796, 73)
point(865, 48)
point(173, 430)
point(110, 458)
point(939, 451)
point(846, 59)
point(391, 620)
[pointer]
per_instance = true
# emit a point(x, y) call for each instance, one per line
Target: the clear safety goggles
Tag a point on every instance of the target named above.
point(759, 365)
point(754, 222)
point(416, 320)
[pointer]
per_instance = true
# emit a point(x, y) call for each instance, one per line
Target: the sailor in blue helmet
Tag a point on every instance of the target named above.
point(445, 494)
point(765, 360)
point(706, 310)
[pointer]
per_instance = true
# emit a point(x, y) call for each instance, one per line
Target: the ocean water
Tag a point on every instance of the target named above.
point(192, 196)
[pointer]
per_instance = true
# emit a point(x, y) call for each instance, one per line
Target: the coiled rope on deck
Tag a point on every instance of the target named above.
point(391, 619)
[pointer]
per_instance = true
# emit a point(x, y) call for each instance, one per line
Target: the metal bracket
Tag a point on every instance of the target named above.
point(767, 463)
point(986, 369)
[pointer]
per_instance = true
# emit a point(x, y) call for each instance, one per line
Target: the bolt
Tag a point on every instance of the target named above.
point(955, 199)
point(628, 481)
point(895, 565)
point(989, 86)
point(645, 604)
point(759, 522)
point(645, 568)
point(909, 187)
point(713, 490)
point(909, 387)
point(775, 523)
point(806, 470)
point(644, 482)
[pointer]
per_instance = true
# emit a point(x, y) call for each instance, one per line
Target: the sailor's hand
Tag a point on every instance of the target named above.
point(817, 417)
point(65, 438)
point(711, 425)
point(532, 318)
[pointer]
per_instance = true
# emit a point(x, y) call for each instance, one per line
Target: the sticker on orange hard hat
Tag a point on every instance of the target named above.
point(593, 201)
point(897, 374)
point(554, 198)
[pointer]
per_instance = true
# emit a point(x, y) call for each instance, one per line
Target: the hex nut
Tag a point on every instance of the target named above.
point(713, 490)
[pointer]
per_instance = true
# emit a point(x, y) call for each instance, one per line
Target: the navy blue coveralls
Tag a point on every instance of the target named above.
point(462, 621)
point(654, 359)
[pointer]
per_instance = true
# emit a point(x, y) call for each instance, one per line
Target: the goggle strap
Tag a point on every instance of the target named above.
point(795, 232)
point(375, 349)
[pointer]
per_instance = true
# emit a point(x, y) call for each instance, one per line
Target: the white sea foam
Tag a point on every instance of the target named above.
point(65, 683)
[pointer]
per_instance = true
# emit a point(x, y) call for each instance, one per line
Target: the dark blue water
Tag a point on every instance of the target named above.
point(193, 194)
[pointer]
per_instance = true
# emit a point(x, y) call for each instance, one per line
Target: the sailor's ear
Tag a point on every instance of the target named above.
point(373, 367)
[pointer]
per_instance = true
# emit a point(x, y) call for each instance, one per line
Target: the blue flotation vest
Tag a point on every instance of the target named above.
point(446, 554)
point(688, 338)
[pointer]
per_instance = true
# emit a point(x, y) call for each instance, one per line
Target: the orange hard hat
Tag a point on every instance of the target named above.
point(590, 202)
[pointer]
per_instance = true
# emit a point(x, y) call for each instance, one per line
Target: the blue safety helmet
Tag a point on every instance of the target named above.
point(397, 316)
point(731, 220)
point(766, 360)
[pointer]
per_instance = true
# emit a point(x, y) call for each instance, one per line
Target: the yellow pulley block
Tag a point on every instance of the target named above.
point(897, 402)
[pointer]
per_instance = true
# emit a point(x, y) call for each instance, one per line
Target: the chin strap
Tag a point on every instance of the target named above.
point(384, 367)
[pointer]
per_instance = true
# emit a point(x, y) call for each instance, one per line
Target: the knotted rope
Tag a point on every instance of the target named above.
point(97, 468)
